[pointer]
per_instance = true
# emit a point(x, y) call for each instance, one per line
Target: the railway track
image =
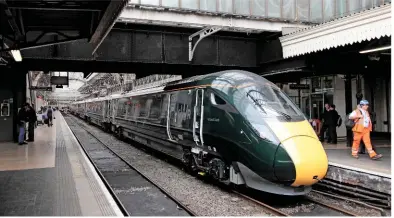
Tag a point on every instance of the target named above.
point(267, 207)
point(112, 191)
point(278, 212)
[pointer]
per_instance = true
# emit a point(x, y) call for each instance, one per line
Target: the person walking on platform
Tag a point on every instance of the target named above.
point(49, 116)
point(21, 119)
point(32, 117)
point(361, 130)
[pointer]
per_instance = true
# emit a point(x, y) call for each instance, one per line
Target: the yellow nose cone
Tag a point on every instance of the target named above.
point(309, 158)
point(304, 148)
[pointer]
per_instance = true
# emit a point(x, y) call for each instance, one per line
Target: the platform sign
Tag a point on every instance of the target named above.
point(41, 88)
point(299, 86)
point(59, 80)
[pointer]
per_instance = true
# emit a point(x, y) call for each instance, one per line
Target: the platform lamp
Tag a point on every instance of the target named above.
point(16, 54)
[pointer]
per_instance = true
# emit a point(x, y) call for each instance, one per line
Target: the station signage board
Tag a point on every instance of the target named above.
point(59, 80)
point(299, 86)
point(41, 88)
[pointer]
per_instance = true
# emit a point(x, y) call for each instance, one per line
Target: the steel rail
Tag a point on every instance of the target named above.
point(271, 209)
point(184, 207)
point(331, 207)
point(382, 212)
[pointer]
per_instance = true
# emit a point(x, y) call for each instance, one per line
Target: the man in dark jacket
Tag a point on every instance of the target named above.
point(332, 127)
point(22, 118)
point(326, 122)
point(32, 123)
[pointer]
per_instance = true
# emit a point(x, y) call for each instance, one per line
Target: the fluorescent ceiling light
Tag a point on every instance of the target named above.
point(17, 55)
point(375, 49)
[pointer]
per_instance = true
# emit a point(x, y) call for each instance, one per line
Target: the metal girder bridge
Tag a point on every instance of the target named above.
point(35, 24)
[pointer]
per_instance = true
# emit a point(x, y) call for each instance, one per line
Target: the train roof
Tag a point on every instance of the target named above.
point(229, 76)
point(232, 77)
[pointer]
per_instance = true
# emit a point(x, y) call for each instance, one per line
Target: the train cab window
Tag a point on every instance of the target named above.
point(216, 100)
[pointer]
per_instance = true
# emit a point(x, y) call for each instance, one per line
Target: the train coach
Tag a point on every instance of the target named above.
point(234, 126)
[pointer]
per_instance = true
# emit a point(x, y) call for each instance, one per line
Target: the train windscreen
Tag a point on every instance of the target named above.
point(256, 98)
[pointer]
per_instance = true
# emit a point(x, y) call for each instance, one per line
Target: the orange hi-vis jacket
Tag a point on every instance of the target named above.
point(359, 125)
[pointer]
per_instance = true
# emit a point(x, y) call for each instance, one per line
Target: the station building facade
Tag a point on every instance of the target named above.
point(314, 92)
point(340, 62)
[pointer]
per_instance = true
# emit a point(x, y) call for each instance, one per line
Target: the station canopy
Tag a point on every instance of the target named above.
point(367, 25)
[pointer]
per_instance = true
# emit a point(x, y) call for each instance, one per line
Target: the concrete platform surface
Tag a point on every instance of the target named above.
point(51, 177)
point(343, 158)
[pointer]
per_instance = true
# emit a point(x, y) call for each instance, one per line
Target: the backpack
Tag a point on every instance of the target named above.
point(349, 123)
point(339, 123)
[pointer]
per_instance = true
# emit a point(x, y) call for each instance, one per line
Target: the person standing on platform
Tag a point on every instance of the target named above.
point(326, 122)
point(332, 126)
point(316, 125)
point(32, 117)
point(22, 118)
point(362, 129)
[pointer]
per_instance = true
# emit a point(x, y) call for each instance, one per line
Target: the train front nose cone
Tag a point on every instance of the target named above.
point(309, 158)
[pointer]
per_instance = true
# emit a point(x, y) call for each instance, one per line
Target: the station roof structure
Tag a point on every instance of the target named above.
point(366, 25)
point(36, 23)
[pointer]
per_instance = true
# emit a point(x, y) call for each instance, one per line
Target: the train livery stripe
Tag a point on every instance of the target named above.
point(304, 148)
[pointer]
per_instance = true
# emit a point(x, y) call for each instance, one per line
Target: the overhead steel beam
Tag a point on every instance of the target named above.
point(201, 34)
point(22, 5)
point(32, 46)
point(11, 20)
point(108, 20)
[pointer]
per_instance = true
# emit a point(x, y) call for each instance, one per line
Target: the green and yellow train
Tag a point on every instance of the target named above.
point(233, 125)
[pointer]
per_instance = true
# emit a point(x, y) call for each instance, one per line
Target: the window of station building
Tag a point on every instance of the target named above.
point(273, 8)
point(208, 5)
point(365, 4)
point(242, 7)
point(225, 6)
point(316, 10)
point(303, 10)
point(316, 83)
point(258, 8)
point(378, 3)
point(150, 2)
point(329, 9)
point(288, 9)
point(328, 82)
point(340, 8)
point(354, 6)
point(170, 3)
point(189, 4)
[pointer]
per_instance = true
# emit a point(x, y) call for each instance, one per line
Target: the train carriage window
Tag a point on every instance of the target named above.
point(155, 108)
point(216, 100)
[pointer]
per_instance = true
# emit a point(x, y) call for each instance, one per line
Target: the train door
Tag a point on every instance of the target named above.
point(198, 117)
point(171, 103)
